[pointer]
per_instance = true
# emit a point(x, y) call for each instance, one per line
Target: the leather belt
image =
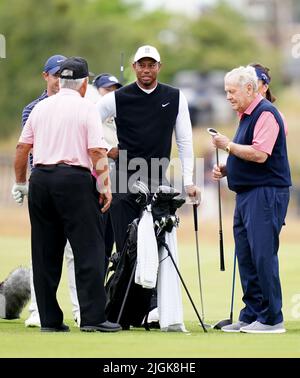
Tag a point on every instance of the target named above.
point(63, 165)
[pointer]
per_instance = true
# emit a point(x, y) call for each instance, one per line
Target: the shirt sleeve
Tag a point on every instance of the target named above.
point(95, 129)
point(184, 140)
point(265, 133)
point(25, 114)
point(27, 132)
point(107, 106)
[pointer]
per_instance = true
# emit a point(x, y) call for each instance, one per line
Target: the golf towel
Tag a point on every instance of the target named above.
point(147, 252)
point(169, 298)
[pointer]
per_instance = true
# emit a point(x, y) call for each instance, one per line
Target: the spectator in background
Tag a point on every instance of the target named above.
point(106, 83)
point(264, 80)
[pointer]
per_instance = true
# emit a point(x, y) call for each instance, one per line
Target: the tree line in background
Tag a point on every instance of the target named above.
point(100, 30)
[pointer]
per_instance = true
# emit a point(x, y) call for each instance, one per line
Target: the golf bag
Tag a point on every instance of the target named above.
point(127, 302)
point(14, 293)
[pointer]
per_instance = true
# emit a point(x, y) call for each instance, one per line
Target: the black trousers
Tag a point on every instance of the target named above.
point(63, 204)
point(123, 211)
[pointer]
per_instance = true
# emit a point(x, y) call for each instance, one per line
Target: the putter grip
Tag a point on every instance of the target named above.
point(222, 263)
point(195, 217)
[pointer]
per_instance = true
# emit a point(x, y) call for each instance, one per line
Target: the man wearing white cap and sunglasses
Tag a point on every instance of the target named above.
point(146, 113)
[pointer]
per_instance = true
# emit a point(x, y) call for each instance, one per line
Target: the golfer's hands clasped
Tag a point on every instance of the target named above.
point(219, 171)
point(193, 193)
point(19, 191)
point(113, 153)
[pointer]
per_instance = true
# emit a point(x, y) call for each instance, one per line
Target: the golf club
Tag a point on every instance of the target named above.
point(214, 132)
point(198, 262)
point(122, 68)
point(185, 287)
point(226, 322)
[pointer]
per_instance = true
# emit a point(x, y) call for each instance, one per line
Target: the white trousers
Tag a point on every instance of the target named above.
point(69, 257)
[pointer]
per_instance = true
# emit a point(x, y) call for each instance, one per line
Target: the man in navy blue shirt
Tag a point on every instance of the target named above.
point(51, 76)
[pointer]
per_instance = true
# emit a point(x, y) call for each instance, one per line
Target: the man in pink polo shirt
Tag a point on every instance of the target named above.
point(65, 133)
point(257, 169)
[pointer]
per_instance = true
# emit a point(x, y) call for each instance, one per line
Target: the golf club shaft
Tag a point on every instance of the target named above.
point(122, 68)
point(222, 263)
point(126, 293)
point(198, 257)
point(233, 287)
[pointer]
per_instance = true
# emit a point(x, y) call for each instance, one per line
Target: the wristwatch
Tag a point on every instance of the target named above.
point(227, 149)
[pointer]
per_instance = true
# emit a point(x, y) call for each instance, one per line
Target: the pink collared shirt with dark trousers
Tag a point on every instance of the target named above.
point(63, 204)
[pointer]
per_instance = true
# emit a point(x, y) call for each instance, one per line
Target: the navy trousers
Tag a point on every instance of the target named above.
point(258, 219)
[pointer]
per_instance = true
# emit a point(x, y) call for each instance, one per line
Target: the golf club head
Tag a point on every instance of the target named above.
point(222, 323)
point(212, 131)
point(142, 193)
point(206, 325)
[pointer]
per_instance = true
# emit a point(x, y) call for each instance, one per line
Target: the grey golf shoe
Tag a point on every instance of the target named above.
point(235, 327)
point(257, 327)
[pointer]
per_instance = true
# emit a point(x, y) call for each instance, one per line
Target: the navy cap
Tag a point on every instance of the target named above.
point(74, 68)
point(106, 80)
point(261, 75)
point(53, 64)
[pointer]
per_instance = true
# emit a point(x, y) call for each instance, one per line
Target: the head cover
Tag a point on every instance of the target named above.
point(74, 68)
point(53, 64)
point(261, 75)
point(14, 293)
point(147, 52)
point(105, 81)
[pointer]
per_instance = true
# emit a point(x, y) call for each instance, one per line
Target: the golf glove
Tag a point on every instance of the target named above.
point(19, 191)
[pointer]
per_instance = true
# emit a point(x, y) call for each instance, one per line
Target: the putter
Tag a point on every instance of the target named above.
point(214, 132)
point(198, 263)
point(226, 322)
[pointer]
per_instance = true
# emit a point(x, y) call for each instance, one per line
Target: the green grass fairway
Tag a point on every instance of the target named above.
point(18, 341)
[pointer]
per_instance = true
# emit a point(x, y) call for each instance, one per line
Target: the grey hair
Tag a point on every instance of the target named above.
point(243, 76)
point(72, 84)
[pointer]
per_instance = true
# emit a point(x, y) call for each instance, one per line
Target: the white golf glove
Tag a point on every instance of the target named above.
point(19, 191)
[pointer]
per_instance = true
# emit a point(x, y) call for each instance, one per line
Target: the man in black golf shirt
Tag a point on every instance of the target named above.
point(147, 112)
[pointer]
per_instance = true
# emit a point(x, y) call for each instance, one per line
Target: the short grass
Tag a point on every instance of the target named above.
point(18, 341)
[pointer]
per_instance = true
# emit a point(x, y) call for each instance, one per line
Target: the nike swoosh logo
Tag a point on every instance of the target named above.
point(61, 60)
point(164, 105)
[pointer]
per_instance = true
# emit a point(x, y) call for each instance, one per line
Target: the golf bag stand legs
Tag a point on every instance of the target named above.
point(126, 293)
point(184, 285)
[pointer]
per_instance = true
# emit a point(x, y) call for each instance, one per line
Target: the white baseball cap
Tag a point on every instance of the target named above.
point(146, 52)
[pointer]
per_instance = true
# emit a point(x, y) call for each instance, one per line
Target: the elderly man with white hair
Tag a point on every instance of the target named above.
point(62, 199)
point(257, 169)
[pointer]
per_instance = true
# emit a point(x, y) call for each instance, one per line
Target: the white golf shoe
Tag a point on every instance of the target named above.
point(235, 327)
point(33, 320)
point(257, 327)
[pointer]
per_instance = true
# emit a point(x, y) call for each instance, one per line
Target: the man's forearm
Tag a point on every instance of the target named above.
point(247, 153)
point(100, 165)
point(21, 161)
